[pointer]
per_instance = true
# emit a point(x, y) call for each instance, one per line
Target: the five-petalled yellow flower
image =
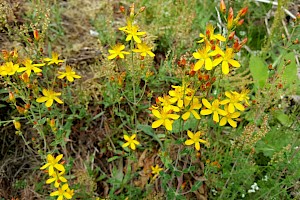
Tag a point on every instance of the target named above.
point(117, 51)
point(131, 142)
point(195, 139)
point(69, 74)
point(63, 192)
point(49, 97)
point(54, 59)
point(53, 163)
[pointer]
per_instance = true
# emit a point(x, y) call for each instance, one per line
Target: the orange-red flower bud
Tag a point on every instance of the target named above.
point(240, 23)
point(222, 6)
point(231, 35)
point(243, 12)
point(36, 35)
point(122, 9)
point(230, 19)
point(11, 97)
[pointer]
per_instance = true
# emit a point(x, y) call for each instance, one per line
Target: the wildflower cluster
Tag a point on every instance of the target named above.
point(215, 57)
point(56, 173)
point(133, 35)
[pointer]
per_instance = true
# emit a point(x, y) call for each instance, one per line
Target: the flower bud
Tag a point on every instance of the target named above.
point(222, 7)
point(17, 125)
point(242, 12)
point(240, 23)
point(231, 35)
point(11, 97)
point(36, 35)
point(230, 19)
point(142, 9)
point(122, 9)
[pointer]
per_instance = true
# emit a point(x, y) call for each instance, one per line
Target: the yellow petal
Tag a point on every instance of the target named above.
point(208, 64)
point(197, 146)
point(126, 137)
point(41, 99)
point(239, 106)
point(234, 63)
point(189, 142)
point(168, 124)
point(225, 67)
point(206, 112)
point(223, 121)
point(232, 123)
point(49, 103)
point(231, 108)
point(59, 167)
point(198, 65)
point(156, 113)
point(132, 146)
point(206, 103)
point(58, 100)
point(157, 123)
point(186, 115)
point(217, 61)
point(196, 115)
point(216, 116)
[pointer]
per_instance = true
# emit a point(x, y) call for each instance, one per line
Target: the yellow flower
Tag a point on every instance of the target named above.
point(226, 59)
point(203, 55)
point(117, 50)
point(30, 67)
point(194, 105)
point(179, 93)
point(57, 178)
point(233, 101)
point(144, 49)
point(210, 36)
point(131, 142)
point(167, 102)
point(49, 96)
point(9, 69)
point(213, 109)
point(156, 169)
point(70, 74)
point(195, 139)
point(229, 118)
point(62, 192)
point(54, 59)
point(244, 96)
point(53, 163)
point(132, 32)
point(164, 118)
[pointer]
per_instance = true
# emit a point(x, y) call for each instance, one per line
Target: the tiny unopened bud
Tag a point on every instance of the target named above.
point(205, 77)
point(296, 41)
point(122, 9)
point(131, 10)
point(213, 79)
point(17, 125)
point(20, 109)
point(52, 123)
point(27, 106)
point(222, 7)
point(142, 9)
point(240, 23)
point(36, 35)
point(282, 36)
point(11, 97)
point(230, 19)
point(231, 35)
point(288, 62)
point(25, 77)
point(243, 12)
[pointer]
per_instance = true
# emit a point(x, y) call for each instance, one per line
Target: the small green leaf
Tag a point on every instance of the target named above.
point(196, 186)
point(284, 119)
point(259, 71)
point(113, 158)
